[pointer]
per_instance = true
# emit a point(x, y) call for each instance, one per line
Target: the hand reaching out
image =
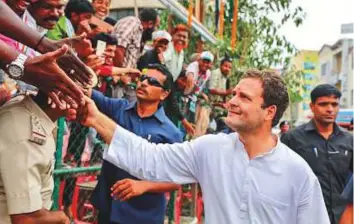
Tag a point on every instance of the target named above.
point(43, 72)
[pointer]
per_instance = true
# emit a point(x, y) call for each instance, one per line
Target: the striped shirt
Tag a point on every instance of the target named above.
point(129, 32)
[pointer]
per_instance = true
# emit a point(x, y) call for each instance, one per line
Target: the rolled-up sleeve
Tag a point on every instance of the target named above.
point(155, 162)
point(311, 207)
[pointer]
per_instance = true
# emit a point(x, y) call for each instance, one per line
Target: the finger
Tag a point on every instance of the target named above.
point(84, 71)
point(123, 194)
point(80, 38)
point(70, 62)
point(68, 93)
point(120, 188)
point(71, 74)
point(71, 114)
point(68, 87)
point(54, 55)
point(70, 102)
point(127, 197)
point(55, 99)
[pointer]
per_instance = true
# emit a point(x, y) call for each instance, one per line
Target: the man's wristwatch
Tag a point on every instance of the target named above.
point(16, 68)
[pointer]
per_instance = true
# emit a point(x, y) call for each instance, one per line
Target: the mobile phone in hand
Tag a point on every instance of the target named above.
point(101, 47)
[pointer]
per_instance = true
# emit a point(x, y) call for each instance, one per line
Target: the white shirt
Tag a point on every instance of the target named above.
point(278, 187)
point(173, 60)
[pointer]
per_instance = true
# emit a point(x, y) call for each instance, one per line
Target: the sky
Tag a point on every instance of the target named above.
point(322, 24)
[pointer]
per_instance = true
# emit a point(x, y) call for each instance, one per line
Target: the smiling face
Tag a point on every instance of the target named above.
point(245, 112)
point(47, 12)
point(160, 45)
point(204, 65)
point(180, 40)
point(109, 54)
point(325, 109)
point(101, 8)
point(226, 68)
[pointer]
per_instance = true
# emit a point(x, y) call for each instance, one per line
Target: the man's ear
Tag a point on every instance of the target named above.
point(271, 111)
point(312, 106)
point(165, 94)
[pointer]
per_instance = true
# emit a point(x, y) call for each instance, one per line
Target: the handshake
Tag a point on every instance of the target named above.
point(86, 114)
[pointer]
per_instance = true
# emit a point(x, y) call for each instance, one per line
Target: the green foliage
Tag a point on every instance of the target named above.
point(259, 43)
point(294, 80)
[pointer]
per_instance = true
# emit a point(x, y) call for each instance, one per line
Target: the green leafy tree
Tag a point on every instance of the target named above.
point(259, 43)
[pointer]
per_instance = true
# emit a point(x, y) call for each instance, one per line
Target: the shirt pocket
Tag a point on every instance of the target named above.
point(270, 210)
point(312, 155)
point(341, 160)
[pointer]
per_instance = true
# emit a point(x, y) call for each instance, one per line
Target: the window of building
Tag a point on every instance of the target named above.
point(324, 69)
point(120, 13)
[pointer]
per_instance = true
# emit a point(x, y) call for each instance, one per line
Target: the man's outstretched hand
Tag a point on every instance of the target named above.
point(44, 72)
point(88, 114)
point(69, 62)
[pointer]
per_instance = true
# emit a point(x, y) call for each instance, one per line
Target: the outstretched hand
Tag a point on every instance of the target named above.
point(43, 71)
point(69, 62)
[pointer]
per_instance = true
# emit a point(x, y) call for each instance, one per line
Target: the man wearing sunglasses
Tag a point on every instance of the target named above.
point(138, 201)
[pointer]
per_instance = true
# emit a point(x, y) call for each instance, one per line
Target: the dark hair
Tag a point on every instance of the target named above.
point(163, 69)
point(109, 39)
point(78, 7)
point(146, 15)
point(226, 59)
point(275, 91)
point(283, 123)
point(110, 21)
point(324, 90)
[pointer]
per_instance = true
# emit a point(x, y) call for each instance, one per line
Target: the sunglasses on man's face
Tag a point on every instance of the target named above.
point(152, 81)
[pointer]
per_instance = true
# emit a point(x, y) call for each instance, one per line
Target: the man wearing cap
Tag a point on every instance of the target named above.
point(160, 39)
point(198, 73)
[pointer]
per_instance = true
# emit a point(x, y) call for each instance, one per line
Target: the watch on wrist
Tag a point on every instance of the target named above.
point(16, 68)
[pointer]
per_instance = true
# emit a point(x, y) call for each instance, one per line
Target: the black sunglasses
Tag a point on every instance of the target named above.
point(152, 81)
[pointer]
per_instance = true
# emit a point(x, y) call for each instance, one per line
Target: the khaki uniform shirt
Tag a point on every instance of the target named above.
point(26, 168)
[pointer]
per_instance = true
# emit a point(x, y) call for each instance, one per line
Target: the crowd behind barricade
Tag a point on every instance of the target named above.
point(54, 52)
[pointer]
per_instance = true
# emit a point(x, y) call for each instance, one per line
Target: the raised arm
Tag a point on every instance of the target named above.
point(154, 162)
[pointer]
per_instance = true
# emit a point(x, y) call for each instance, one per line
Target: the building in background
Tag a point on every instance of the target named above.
point(307, 62)
point(120, 9)
point(337, 65)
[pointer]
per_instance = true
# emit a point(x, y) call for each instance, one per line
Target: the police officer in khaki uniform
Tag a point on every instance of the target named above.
point(26, 163)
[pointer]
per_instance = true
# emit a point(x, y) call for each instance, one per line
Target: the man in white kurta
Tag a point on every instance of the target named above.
point(247, 176)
